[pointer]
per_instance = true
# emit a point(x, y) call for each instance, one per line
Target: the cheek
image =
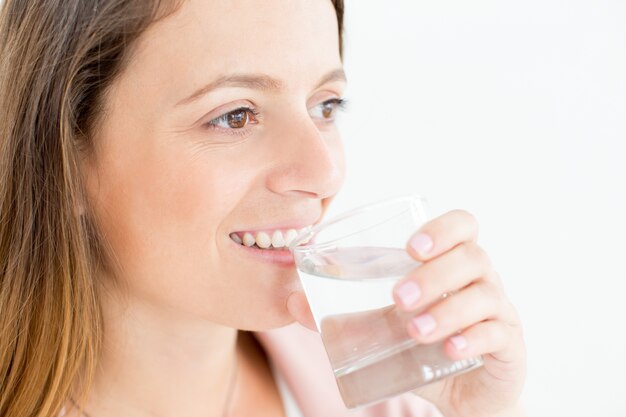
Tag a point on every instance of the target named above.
point(162, 215)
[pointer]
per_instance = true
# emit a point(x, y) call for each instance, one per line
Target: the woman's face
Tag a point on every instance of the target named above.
point(221, 123)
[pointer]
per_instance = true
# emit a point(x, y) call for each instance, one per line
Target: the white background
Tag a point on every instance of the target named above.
point(514, 111)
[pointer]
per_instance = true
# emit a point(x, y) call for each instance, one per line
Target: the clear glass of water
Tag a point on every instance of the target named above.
point(348, 267)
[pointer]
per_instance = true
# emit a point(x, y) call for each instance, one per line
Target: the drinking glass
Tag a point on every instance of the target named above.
point(348, 267)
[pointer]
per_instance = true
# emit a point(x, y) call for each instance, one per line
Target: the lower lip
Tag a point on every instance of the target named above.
point(282, 257)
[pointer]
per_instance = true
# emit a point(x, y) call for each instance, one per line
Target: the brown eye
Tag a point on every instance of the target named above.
point(327, 110)
point(237, 119)
point(234, 120)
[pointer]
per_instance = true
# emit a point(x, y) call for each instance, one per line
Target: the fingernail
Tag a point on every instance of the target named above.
point(422, 243)
point(408, 292)
point(425, 324)
point(459, 342)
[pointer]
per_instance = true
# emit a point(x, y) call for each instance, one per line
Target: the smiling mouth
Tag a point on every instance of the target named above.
point(277, 240)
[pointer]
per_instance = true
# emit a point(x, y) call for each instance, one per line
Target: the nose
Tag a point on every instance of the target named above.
point(307, 161)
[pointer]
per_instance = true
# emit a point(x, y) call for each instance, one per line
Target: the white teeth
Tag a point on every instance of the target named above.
point(263, 240)
point(248, 239)
point(289, 236)
point(236, 238)
point(305, 230)
point(277, 239)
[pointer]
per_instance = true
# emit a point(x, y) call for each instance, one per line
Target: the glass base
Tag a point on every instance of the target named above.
point(399, 372)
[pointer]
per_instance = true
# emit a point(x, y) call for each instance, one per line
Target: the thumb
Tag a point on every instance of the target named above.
point(299, 308)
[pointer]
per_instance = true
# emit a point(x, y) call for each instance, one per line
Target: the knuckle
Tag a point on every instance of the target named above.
point(491, 291)
point(495, 336)
point(502, 336)
point(472, 250)
point(493, 299)
point(469, 249)
point(468, 218)
point(494, 277)
point(484, 290)
point(512, 318)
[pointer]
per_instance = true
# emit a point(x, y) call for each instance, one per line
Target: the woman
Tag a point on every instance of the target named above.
point(149, 151)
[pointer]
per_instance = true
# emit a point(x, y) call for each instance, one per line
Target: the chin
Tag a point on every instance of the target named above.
point(267, 315)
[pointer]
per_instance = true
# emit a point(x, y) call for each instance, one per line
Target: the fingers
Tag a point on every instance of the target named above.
point(449, 272)
point(477, 318)
point(495, 338)
point(479, 339)
point(478, 302)
point(442, 233)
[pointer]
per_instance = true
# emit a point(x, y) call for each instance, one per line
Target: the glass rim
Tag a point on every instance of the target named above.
point(294, 245)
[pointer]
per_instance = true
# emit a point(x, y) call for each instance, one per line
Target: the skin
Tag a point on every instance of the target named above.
point(478, 309)
point(167, 189)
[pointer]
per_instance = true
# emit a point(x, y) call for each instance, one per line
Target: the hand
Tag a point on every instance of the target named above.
point(478, 308)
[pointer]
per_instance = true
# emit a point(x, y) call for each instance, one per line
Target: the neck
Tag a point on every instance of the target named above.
point(155, 364)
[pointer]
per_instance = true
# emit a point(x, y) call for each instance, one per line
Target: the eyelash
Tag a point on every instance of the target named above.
point(340, 104)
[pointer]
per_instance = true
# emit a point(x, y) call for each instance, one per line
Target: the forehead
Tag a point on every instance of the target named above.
point(292, 40)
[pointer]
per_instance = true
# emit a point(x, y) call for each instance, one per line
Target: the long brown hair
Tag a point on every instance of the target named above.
point(57, 58)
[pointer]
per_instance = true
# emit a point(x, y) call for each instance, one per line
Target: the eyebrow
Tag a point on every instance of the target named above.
point(256, 82)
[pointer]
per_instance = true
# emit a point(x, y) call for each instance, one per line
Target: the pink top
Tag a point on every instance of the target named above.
point(299, 356)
